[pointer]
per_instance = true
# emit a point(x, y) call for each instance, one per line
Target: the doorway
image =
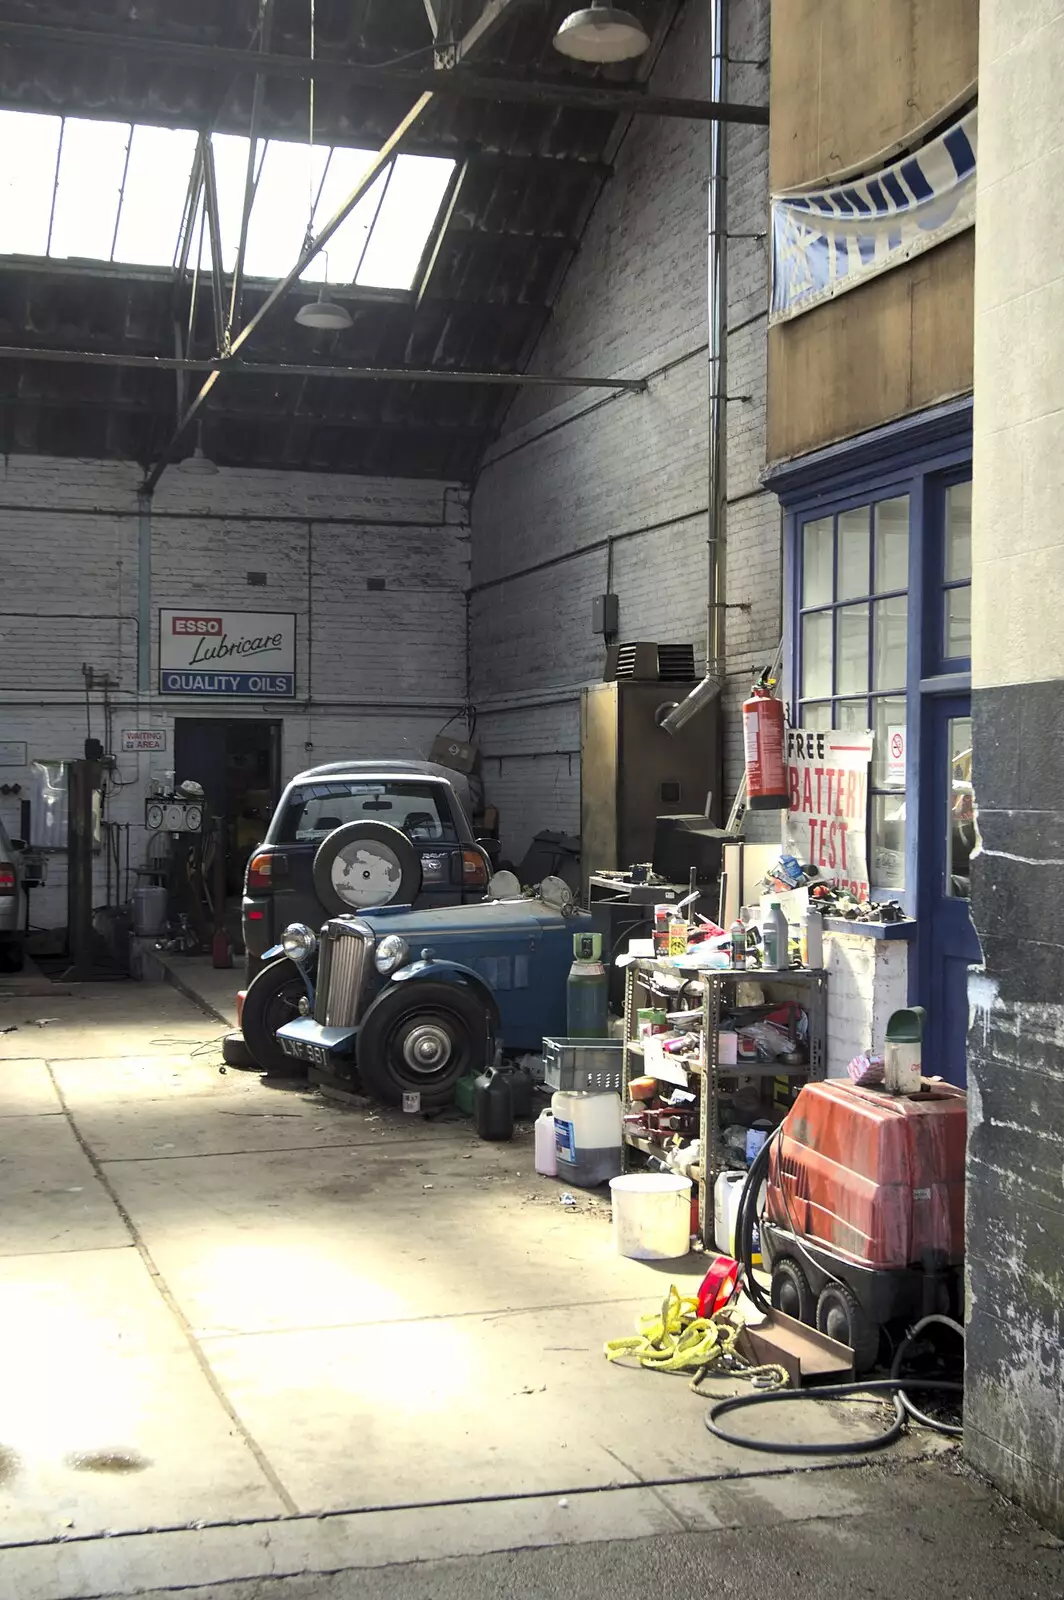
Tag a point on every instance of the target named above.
point(238, 763)
point(949, 944)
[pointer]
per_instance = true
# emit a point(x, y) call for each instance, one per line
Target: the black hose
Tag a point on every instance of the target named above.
point(952, 1428)
point(835, 1391)
point(745, 1217)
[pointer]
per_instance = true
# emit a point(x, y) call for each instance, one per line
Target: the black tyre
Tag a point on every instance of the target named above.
point(840, 1315)
point(791, 1293)
point(271, 1001)
point(423, 1037)
point(366, 864)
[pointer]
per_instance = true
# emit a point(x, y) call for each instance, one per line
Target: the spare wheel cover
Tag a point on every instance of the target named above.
point(366, 864)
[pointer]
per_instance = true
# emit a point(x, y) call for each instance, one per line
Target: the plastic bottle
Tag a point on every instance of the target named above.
point(546, 1154)
point(813, 939)
point(587, 1136)
point(775, 936)
point(493, 1105)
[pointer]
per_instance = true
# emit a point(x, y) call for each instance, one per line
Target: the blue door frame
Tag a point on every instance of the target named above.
point(920, 456)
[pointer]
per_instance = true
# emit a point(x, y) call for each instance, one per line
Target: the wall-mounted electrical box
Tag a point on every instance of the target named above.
point(605, 613)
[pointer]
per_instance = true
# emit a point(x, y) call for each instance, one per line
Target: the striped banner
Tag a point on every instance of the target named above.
point(826, 240)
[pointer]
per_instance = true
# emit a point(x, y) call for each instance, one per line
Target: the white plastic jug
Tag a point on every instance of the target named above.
point(651, 1215)
point(546, 1155)
point(726, 1192)
point(587, 1136)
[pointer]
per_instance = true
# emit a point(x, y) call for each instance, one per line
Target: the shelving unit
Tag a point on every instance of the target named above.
point(806, 986)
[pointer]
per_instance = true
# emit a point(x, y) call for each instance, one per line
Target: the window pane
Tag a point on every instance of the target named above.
point(817, 575)
point(888, 719)
point(888, 841)
point(959, 531)
point(961, 837)
point(891, 631)
point(851, 716)
point(853, 554)
point(288, 179)
point(91, 163)
point(29, 148)
point(851, 649)
point(153, 200)
point(230, 170)
point(344, 171)
point(958, 629)
point(892, 544)
point(816, 714)
point(406, 217)
point(816, 654)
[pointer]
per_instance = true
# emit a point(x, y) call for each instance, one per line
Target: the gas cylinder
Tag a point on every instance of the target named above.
point(493, 1106)
point(763, 742)
point(587, 990)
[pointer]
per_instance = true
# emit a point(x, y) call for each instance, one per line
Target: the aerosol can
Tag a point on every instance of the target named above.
point(587, 990)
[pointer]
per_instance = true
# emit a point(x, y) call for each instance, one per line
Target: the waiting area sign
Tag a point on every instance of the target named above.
point(227, 653)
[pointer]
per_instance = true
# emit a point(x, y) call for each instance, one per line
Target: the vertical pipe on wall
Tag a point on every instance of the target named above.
point(718, 349)
point(143, 593)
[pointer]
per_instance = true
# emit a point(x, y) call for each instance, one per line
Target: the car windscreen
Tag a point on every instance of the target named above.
point(421, 810)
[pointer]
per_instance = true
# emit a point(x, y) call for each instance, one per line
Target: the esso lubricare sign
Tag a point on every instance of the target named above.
point(240, 653)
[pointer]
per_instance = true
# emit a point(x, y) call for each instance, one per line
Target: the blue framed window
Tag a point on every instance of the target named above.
point(852, 573)
point(877, 606)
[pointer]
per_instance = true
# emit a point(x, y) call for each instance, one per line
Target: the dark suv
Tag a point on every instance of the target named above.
point(346, 838)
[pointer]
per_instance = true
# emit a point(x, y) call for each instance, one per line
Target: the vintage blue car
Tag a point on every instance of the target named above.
point(412, 1000)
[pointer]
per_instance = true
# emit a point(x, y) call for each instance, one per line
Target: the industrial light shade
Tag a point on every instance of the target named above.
point(601, 33)
point(322, 313)
point(197, 462)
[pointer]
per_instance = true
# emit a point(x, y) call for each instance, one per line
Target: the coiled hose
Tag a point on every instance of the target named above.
point(895, 1386)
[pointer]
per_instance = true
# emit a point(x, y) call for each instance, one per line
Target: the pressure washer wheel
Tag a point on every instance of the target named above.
point(791, 1293)
point(841, 1316)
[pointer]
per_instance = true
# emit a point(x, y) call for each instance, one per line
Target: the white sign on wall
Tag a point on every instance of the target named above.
point(827, 823)
point(143, 738)
point(895, 754)
point(207, 652)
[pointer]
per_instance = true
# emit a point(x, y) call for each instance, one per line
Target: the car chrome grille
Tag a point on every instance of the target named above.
point(341, 969)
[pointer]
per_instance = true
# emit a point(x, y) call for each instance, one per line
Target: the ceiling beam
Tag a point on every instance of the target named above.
point(251, 176)
point(450, 52)
point(361, 75)
point(290, 369)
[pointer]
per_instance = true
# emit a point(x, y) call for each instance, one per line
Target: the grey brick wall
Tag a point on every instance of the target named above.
point(573, 470)
point(377, 671)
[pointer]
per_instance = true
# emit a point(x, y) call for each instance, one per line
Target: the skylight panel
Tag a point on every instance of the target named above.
point(230, 167)
point(92, 162)
point(407, 215)
point(29, 150)
point(348, 242)
point(290, 177)
point(153, 200)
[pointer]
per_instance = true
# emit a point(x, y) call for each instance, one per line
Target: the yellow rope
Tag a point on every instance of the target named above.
point(679, 1340)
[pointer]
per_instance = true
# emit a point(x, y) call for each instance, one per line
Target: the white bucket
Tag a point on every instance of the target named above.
point(651, 1215)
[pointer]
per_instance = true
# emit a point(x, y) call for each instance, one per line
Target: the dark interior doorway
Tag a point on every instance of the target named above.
point(238, 763)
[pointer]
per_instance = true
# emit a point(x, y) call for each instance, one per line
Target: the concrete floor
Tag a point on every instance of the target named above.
point(248, 1333)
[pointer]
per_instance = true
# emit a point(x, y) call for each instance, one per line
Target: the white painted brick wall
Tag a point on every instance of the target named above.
point(377, 672)
point(575, 469)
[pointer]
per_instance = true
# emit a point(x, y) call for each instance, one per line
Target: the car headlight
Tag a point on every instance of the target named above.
point(299, 942)
point(391, 953)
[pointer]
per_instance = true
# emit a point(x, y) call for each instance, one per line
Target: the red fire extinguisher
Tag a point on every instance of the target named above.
point(763, 741)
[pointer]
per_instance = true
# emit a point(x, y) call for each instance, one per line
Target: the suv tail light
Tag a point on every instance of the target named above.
point(7, 878)
point(474, 870)
point(260, 873)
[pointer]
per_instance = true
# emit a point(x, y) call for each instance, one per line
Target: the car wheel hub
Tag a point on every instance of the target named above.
point(427, 1047)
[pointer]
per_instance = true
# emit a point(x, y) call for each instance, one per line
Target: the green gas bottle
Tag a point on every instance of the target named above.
point(587, 990)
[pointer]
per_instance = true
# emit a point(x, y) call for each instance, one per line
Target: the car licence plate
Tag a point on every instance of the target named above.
point(303, 1050)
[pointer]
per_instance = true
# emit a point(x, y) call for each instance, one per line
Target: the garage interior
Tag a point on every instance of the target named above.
point(395, 403)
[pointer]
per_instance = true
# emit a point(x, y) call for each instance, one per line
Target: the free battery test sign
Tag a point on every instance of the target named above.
point(227, 653)
point(827, 820)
